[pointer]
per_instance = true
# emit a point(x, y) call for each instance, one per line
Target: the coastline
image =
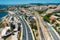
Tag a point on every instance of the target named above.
point(4, 16)
point(9, 12)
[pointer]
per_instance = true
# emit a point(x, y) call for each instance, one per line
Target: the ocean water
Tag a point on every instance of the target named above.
point(3, 6)
point(2, 14)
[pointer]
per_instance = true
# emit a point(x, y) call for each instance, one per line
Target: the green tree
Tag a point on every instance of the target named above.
point(1, 25)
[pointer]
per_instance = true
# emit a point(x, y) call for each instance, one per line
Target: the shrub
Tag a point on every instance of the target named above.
point(1, 25)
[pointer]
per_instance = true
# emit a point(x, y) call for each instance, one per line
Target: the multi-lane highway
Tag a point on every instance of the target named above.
point(49, 33)
point(54, 35)
point(24, 34)
point(42, 26)
point(41, 35)
point(41, 32)
point(27, 35)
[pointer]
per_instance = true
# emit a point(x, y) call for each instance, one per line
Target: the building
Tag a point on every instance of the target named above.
point(52, 17)
point(50, 11)
point(32, 19)
point(52, 6)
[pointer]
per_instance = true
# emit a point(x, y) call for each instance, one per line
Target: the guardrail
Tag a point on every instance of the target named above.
point(48, 30)
point(53, 31)
point(30, 29)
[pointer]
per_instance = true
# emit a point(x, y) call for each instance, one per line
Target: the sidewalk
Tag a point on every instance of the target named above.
point(14, 37)
point(0, 36)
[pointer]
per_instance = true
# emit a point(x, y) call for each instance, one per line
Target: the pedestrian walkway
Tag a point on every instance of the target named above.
point(0, 36)
point(14, 37)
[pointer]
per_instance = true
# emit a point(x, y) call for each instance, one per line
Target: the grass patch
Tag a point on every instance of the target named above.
point(1, 25)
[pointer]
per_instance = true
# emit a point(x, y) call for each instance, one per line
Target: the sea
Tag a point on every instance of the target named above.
point(3, 6)
point(2, 14)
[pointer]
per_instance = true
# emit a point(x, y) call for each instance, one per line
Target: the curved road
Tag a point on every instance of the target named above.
point(44, 30)
point(55, 37)
point(27, 35)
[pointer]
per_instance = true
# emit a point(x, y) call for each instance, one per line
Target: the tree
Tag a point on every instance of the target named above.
point(46, 17)
point(12, 26)
point(40, 11)
point(1, 25)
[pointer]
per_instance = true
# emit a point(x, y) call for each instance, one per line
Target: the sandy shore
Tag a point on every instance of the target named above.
point(11, 12)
